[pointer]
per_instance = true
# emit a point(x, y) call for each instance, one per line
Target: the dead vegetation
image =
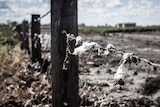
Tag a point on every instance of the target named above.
point(22, 83)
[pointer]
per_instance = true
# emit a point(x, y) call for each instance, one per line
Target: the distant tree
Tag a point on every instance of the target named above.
point(12, 23)
point(106, 25)
point(82, 24)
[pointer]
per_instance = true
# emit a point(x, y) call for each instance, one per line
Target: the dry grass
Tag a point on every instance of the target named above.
point(11, 59)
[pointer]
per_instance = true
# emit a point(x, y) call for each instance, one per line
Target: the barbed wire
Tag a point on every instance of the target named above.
point(134, 58)
point(138, 58)
point(38, 19)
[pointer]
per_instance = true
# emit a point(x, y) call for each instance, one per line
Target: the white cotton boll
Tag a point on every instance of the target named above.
point(85, 47)
point(97, 47)
point(120, 74)
point(68, 35)
point(79, 41)
point(127, 57)
point(78, 38)
point(41, 39)
point(93, 45)
point(107, 51)
point(110, 46)
point(79, 50)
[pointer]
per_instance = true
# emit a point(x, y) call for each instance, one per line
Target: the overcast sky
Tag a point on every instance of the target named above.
point(90, 12)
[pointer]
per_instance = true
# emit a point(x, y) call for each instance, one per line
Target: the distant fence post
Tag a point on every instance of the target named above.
point(64, 82)
point(25, 31)
point(35, 31)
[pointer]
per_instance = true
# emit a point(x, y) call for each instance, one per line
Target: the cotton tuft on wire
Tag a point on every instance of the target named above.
point(82, 47)
point(134, 58)
point(121, 73)
point(126, 58)
point(108, 48)
point(87, 46)
point(79, 41)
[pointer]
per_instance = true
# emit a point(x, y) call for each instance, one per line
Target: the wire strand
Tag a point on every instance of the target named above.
point(38, 19)
point(137, 57)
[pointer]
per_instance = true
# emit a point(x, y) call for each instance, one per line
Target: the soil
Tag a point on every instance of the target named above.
point(142, 86)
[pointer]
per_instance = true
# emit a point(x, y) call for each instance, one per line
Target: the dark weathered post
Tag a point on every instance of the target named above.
point(64, 82)
point(36, 46)
point(25, 30)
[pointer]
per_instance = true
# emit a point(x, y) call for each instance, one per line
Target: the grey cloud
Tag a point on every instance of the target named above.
point(4, 5)
point(44, 1)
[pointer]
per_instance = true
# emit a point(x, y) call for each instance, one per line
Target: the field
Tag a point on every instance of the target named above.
point(143, 81)
point(104, 30)
point(22, 86)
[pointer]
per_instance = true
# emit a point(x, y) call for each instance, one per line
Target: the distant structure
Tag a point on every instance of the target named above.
point(125, 25)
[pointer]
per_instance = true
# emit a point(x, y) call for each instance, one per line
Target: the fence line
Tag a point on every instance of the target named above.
point(136, 57)
point(110, 48)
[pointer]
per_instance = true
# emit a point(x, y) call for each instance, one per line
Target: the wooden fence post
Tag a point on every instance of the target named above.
point(64, 82)
point(25, 30)
point(36, 45)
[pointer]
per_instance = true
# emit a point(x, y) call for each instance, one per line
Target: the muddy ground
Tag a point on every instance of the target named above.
point(141, 89)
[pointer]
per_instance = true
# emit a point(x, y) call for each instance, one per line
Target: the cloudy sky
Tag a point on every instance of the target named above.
point(90, 12)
